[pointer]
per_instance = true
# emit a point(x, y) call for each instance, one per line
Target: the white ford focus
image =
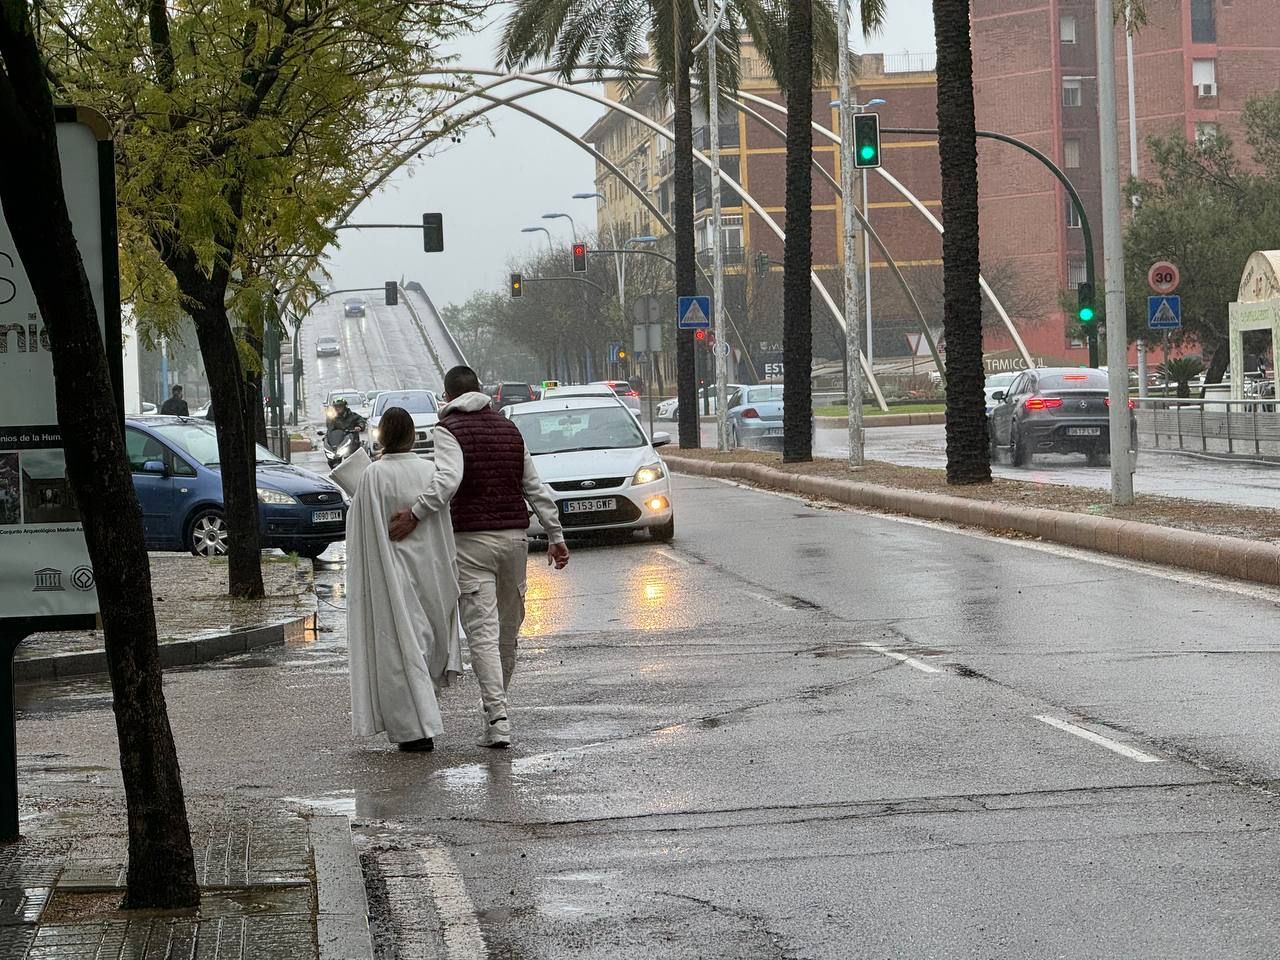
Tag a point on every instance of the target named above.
point(602, 470)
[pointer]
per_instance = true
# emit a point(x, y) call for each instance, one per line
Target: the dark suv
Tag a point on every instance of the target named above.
point(505, 394)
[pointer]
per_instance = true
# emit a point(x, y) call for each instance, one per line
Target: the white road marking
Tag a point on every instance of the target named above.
point(909, 661)
point(771, 601)
point(1113, 745)
point(673, 557)
point(463, 939)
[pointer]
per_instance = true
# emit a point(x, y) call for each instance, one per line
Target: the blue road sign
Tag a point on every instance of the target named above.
point(693, 313)
point(615, 348)
point(1164, 313)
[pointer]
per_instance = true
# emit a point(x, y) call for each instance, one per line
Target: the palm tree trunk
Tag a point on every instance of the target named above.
point(967, 444)
point(797, 318)
point(682, 214)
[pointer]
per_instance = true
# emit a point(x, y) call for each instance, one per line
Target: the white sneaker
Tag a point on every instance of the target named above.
point(495, 733)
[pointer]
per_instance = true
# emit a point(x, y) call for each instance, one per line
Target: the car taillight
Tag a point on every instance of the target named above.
point(1131, 405)
point(751, 413)
point(1042, 403)
point(633, 393)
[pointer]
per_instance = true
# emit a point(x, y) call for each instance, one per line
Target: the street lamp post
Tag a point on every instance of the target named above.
point(563, 216)
point(550, 245)
point(619, 263)
point(573, 227)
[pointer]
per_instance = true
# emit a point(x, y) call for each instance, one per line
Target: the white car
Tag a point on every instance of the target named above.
point(602, 470)
point(670, 409)
point(422, 405)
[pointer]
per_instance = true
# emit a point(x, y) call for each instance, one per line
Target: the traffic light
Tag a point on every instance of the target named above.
point(700, 335)
point(622, 354)
point(433, 232)
point(393, 293)
point(579, 258)
point(866, 140)
point(517, 286)
point(1085, 307)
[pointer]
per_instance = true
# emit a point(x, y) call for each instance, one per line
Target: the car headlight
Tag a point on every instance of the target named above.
point(274, 496)
point(648, 474)
point(373, 434)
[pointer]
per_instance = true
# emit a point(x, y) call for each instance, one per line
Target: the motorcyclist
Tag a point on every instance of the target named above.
point(345, 419)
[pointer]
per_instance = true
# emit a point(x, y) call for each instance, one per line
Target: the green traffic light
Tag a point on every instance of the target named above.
point(1086, 314)
point(868, 152)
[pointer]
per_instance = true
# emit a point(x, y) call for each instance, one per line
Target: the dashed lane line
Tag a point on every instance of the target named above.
point(1115, 746)
point(909, 661)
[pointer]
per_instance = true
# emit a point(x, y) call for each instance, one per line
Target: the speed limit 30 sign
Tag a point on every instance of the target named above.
point(1163, 277)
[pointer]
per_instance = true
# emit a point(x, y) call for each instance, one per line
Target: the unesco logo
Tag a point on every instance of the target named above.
point(82, 579)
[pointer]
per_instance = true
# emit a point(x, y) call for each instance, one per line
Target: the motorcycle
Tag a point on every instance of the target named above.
point(339, 444)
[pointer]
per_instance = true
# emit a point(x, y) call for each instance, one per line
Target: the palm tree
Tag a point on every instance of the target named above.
point(810, 47)
point(1182, 370)
point(628, 33)
point(968, 459)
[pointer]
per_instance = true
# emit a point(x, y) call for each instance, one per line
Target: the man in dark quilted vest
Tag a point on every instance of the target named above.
point(486, 477)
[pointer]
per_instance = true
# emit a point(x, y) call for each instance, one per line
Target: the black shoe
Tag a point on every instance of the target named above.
point(425, 745)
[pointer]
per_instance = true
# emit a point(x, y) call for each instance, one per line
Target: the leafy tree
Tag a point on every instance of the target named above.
point(1182, 370)
point(245, 126)
point(967, 447)
point(1207, 211)
point(161, 867)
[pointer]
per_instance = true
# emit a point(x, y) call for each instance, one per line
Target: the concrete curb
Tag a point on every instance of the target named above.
point(342, 908)
point(177, 653)
point(1205, 553)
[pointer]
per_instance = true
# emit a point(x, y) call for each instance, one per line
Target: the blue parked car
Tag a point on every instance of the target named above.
point(176, 476)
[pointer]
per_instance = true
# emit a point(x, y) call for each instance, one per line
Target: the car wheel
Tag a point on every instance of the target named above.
point(1021, 452)
point(312, 550)
point(207, 534)
point(665, 533)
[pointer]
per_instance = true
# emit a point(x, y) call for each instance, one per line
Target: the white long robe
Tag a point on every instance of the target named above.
point(402, 605)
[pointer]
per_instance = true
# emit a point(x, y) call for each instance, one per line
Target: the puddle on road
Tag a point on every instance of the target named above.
point(342, 802)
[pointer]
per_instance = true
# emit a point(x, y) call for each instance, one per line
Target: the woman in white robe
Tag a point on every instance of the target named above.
point(402, 598)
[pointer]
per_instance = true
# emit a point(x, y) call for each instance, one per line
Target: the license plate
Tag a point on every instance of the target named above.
point(1084, 431)
point(326, 516)
point(591, 506)
point(773, 433)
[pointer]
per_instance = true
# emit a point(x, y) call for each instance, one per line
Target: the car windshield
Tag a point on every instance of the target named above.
point(410, 402)
point(327, 340)
point(998, 380)
point(763, 394)
point(351, 398)
point(1074, 380)
point(587, 428)
point(510, 390)
point(200, 443)
point(355, 302)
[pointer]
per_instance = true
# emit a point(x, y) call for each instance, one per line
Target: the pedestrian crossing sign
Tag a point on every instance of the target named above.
point(1164, 313)
point(693, 313)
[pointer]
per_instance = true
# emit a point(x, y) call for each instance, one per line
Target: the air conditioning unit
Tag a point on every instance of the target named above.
point(1207, 89)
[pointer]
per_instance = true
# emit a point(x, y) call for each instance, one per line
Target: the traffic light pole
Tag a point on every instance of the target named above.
point(1086, 235)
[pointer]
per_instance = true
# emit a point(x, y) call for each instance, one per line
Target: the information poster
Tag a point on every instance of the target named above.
point(44, 564)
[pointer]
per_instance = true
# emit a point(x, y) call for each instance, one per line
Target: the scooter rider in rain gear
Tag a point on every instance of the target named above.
point(345, 419)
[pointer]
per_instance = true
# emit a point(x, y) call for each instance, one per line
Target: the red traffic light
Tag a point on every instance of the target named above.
point(579, 258)
point(700, 335)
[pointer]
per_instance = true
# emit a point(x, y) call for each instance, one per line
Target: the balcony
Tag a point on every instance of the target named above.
point(728, 137)
point(733, 256)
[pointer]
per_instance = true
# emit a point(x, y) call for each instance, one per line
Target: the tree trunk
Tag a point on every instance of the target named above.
point(797, 258)
point(967, 443)
point(161, 867)
point(682, 214)
point(227, 390)
point(1184, 389)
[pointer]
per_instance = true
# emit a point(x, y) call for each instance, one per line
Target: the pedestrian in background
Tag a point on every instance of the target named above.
point(402, 598)
point(175, 406)
point(485, 476)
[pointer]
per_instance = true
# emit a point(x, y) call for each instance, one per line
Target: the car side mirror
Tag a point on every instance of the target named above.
point(155, 466)
point(998, 396)
point(661, 439)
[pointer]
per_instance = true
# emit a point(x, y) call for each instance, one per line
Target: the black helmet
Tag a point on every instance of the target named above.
point(340, 402)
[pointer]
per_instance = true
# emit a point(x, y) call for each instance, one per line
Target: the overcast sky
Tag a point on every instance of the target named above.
point(493, 184)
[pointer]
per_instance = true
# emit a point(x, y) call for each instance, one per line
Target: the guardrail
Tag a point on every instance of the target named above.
point(1233, 427)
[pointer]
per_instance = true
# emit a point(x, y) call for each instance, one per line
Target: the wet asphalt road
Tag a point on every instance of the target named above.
point(1240, 482)
point(722, 753)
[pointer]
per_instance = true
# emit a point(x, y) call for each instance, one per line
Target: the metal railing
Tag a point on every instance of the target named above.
point(1213, 425)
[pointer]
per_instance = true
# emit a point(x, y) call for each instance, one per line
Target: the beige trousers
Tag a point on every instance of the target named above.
point(492, 577)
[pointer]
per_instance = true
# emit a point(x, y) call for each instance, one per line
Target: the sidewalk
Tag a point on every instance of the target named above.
point(195, 619)
point(274, 886)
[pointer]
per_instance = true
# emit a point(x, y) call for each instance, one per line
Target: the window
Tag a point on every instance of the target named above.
point(1067, 28)
point(1203, 27)
point(1204, 77)
point(1071, 154)
point(1071, 93)
point(1076, 273)
point(142, 449)
point(1073, 215)
point(1206, 132)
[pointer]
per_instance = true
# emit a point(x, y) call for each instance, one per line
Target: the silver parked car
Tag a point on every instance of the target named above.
point(754, 417)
